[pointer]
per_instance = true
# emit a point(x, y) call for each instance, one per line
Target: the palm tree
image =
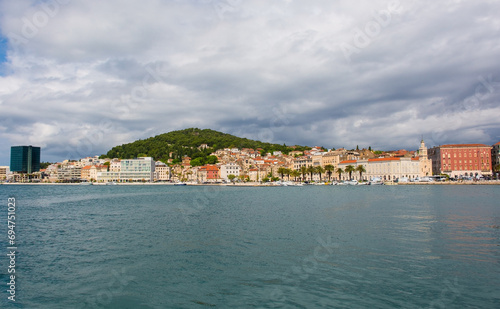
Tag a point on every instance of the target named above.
point(303, 171)
point(329, 170)
point(295, 174)
point(288, 172)
point(320, 170)
point(361, 169)
point(311, 170)
point(339, 171)
point(281, 171)
point(496, 169)
point(349, 169)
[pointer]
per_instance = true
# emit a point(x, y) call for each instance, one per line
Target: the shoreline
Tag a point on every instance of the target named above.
point(252, 184)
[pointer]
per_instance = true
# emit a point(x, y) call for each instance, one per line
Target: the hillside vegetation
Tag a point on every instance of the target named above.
point(186, 142)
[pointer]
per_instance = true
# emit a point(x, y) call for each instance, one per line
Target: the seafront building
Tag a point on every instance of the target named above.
point(69, 173)
point(131, 170)
point(89, 172)
point(495, 154)
point(256, 165)
point(391, 168)
point(25, 159)
point(458, 160)
point(4, 172)
point(230, 168)
point(162, 171)
point(208, 173)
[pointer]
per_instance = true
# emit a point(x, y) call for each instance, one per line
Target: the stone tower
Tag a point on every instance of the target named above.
point(422, 151)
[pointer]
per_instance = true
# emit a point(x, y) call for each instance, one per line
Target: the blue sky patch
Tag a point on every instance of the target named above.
point(3, 49)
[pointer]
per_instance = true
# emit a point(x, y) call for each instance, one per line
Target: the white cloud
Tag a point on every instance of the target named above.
point(260, 69)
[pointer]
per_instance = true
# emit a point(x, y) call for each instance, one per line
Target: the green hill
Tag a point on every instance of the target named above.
point(177, 144)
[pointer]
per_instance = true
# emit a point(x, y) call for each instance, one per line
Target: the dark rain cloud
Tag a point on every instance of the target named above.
point(92, 75)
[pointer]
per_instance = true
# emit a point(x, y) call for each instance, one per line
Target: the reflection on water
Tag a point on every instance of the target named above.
point(285, 247)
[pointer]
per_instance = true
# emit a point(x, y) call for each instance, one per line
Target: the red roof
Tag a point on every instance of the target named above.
point(497, 144)
point(348, 161)
point(211, 168)
point(463, 145)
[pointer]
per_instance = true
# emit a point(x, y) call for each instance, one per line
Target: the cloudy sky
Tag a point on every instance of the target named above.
point(79, 77)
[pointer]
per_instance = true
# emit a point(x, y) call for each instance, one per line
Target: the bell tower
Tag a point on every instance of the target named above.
point(422, 151)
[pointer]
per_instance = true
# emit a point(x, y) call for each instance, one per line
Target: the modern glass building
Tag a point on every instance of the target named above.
point(131, 170)
point(25, 159)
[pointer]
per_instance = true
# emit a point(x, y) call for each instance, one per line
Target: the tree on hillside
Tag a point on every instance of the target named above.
point(197, 162)
point(176, 144)
point(212, 160)
point(349, 169)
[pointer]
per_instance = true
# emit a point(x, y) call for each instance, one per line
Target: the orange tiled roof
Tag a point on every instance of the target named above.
point(211, 168)
point(348, 161)
point(497, 144)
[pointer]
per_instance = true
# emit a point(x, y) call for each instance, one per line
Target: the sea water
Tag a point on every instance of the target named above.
point(157, 246)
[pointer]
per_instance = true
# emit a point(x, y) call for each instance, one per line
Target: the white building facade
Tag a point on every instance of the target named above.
point(390, 169)
point(229, 169)
point(131, 170)
point(162, 171)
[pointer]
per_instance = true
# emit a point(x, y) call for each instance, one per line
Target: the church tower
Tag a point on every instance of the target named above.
point(422, 151)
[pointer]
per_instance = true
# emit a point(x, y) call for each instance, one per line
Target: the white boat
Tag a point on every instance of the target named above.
point(423, 179)
point(111, 183)
point(86, 183)
point(180, 184)
point(376, 181)
point(390, 183)
point(352, 182)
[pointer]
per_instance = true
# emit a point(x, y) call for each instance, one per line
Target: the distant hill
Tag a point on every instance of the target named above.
point(186, 143)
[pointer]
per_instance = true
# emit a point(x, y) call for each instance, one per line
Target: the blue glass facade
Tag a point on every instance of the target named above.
point(25, 159)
